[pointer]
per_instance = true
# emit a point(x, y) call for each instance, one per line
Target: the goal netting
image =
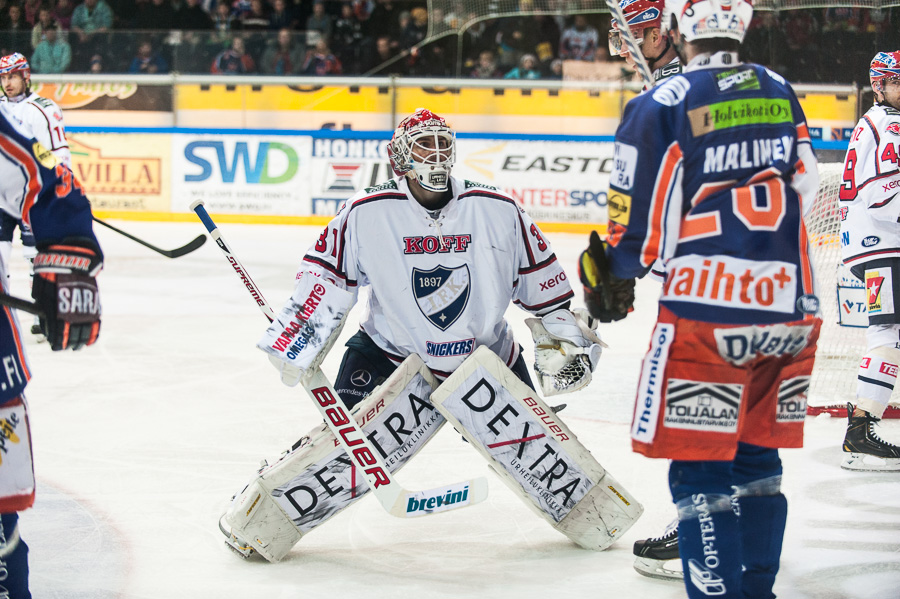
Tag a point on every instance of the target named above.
point(842, 341)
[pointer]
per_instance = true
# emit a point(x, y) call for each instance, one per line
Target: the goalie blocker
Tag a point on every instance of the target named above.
point(534, 453)
point(315, 480)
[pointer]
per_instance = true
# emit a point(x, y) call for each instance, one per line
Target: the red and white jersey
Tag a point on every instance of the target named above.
point(44, 118)
point(439, 284)
point(869, 201)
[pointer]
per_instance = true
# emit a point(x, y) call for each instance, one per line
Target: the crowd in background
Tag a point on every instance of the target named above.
point(381, 37)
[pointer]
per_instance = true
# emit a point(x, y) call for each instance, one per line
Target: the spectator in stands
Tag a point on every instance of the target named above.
point(91, 20)
point(320, 60)
point(192, 17)
point(384, 60)
point(580, 41)
point(53, 54)
point(383, 20)
point(348, 39)
point(527, 69)
point(515, 37)
point(764, 42)
point(45, 18)
point(239, 8)
point(18, 34)
point(556, 69)
point(30, 10)
point(157, 15)
point(257, 19)
point(282, 16)
point(486, 67)
point(148, 62)
point(233, 60)
point(416, 28)
point(62, 12)
point(223, 24)
point(285, 57)
point(319, 24)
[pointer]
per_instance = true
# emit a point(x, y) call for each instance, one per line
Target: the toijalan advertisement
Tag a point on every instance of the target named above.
point(242, 174)
point(553, 181)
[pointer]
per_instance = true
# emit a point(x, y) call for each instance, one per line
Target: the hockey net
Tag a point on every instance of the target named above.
point(842, 341)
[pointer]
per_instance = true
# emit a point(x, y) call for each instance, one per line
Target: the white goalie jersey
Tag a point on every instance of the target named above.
point(44, 119)
point(870, 189)
point(439, 284)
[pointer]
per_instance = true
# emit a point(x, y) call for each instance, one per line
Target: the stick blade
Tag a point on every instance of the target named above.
point(195, 244)
point(440, 499)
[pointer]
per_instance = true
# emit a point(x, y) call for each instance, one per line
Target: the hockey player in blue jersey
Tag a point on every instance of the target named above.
point(48, 198)
point(712, 172)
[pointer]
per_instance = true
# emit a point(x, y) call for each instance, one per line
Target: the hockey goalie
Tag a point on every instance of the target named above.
point(442, 259)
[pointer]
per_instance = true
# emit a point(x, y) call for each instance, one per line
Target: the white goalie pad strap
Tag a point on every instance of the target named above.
point(566, 351)
point(313, 482)
point(307, 326)
point(16, 466)
point(534, 452)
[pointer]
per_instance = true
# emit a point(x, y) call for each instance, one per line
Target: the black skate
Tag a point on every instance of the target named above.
point(864, 449)
point(38, 333)
point(658, 557)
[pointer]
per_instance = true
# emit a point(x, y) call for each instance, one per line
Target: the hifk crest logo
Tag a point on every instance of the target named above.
point(442, 293)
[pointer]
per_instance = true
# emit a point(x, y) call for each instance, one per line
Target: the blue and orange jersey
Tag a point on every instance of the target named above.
point(712, 170)
point(43, 193)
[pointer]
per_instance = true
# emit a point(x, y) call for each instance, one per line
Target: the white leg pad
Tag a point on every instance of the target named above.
point(534, 452)
point(311, 483)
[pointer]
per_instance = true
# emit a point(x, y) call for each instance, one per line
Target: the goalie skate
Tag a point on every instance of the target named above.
point(233, 542)
point(658, 557)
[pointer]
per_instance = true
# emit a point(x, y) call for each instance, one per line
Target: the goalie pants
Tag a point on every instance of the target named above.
point(705, 387)
point(365, 366)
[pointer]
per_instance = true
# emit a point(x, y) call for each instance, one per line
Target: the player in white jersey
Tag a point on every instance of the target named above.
point(43, 118)
point(870, 245)
point(442, 259)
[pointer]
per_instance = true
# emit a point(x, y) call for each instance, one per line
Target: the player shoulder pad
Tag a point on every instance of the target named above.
point(386, 186)
point(474, 184)
point(890, 110)
point(673, 91)
point(44, 102)
point(772, 74)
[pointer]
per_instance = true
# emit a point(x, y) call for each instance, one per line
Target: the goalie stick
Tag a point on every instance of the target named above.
point(633, 48)
point(176, 253)
point(395, 499)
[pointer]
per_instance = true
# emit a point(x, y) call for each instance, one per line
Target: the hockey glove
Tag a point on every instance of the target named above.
point(65, 289)
point(607, 297)
point(566, 350)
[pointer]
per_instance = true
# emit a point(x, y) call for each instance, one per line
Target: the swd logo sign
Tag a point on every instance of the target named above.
point(256, 163)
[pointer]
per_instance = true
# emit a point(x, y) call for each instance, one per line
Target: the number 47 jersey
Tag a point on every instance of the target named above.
point(711, 173)
point(869, 206)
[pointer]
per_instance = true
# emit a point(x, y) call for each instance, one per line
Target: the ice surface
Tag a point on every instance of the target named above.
point(141, 440)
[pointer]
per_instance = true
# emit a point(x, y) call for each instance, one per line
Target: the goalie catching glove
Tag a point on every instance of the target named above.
point(607, 297)
point(65, 289)
point(566, 350)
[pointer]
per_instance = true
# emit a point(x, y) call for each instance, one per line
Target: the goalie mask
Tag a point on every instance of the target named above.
point(885, 65)
point(640, 15)
point(709, 19)
point(424, 145)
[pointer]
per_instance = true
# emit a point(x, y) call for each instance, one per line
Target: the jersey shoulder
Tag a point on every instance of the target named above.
point(45, 105)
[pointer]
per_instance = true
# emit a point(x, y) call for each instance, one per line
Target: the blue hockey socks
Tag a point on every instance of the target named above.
point(13, 559)
point(708, 530)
